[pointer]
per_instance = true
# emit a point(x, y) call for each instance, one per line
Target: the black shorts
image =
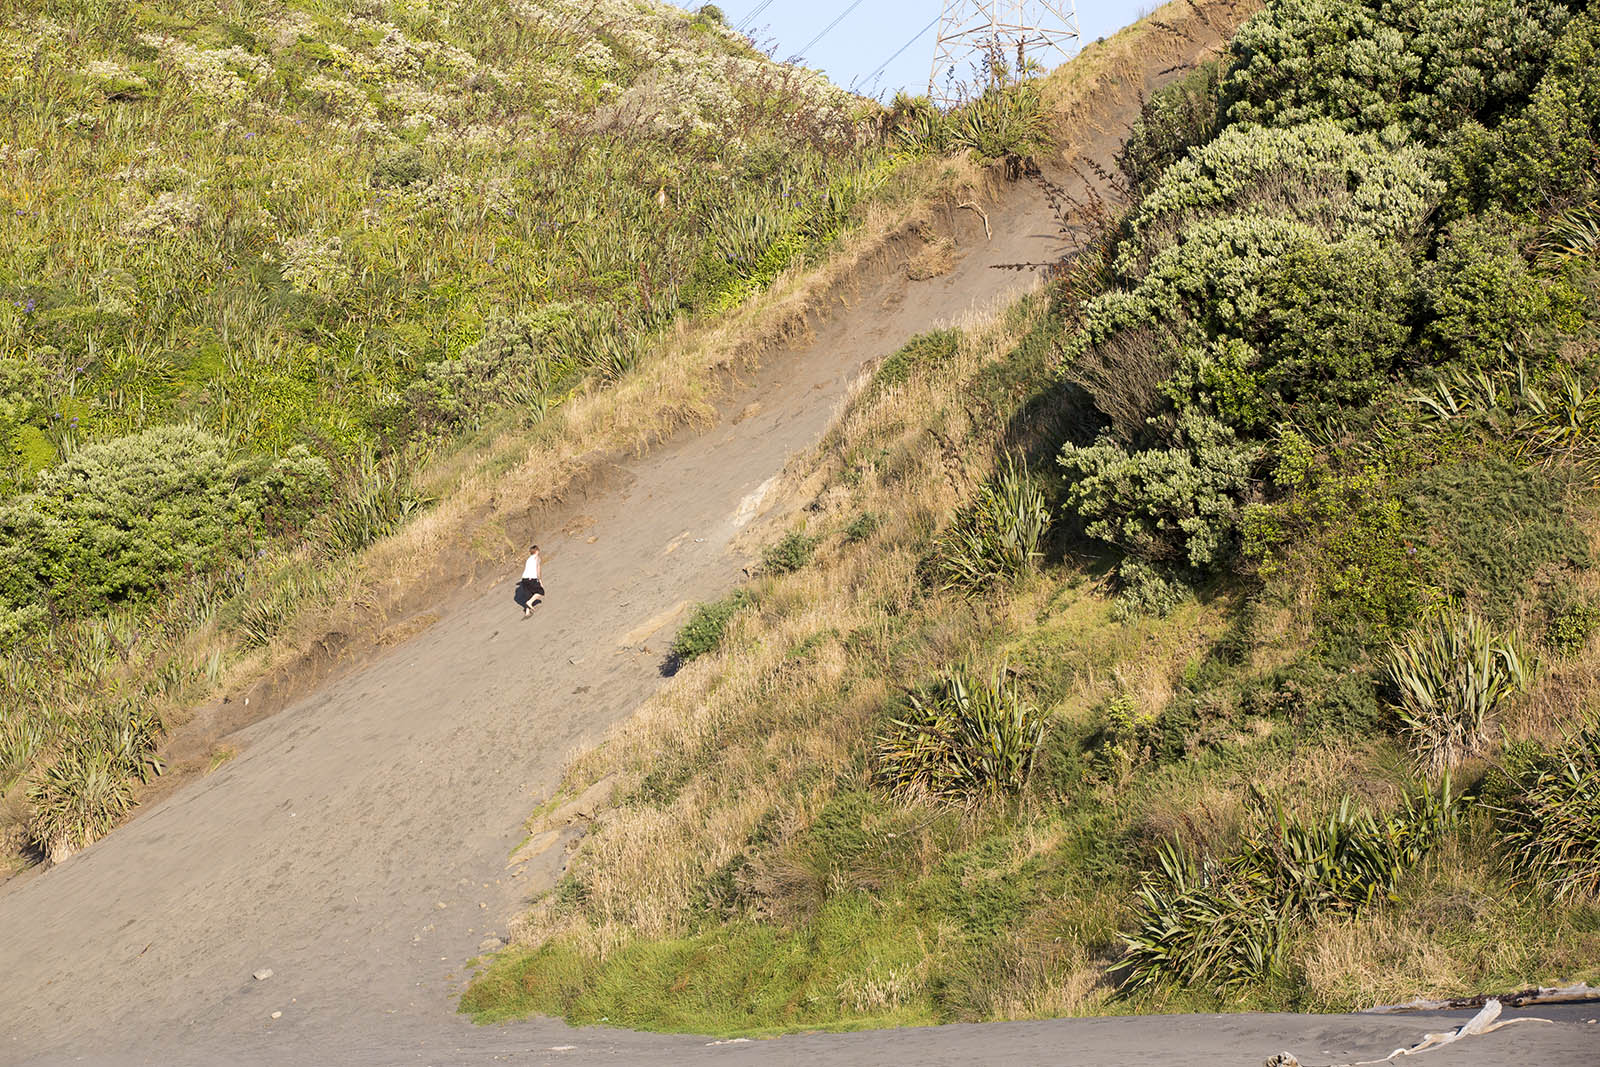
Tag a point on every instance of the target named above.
point(531, 586)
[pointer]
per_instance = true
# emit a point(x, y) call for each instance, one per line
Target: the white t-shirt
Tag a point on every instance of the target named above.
point(531, 568)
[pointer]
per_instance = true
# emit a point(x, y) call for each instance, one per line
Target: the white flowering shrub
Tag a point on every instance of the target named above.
point(215, 77)
point(313, 263)
point(169, 213)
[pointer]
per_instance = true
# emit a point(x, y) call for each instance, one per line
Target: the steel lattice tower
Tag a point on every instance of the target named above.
point(979, 38)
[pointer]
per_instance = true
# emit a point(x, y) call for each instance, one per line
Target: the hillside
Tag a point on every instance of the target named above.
point(1215, 630)
point(268, 266)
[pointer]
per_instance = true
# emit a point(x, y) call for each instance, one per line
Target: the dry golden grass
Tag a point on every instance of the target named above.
point(934, 259)
point(1459, 932)
point(1167, 37)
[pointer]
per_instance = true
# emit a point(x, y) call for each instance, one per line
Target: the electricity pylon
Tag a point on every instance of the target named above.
point(984, 39)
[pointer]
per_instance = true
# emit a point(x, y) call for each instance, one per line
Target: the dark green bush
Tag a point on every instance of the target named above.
point(126, 519)
point(1546, 151)
point(1427, 65)
point(1484, 301)
point(1570, 620)
point(399, 168)
point(1174, 507)
point(1319, 697)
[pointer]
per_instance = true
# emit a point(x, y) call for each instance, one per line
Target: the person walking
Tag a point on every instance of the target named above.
point(530, 591)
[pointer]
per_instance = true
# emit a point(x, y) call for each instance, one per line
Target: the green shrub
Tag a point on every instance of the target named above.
point(1426, 66)
point(965, 739)
point(1225, 922)
point(1569, 622)
point(1343, 539)
point(1316, 173)
point(997, 537)
point(1319, 697)
point(861, 527)
point(1177, 118)
point(1484, 300)
point(790, 554)
point(126, 519)
point(706, 627)
point(1448, 678)
point(1552, 825)
point(1544, 152)
point(1172, 507)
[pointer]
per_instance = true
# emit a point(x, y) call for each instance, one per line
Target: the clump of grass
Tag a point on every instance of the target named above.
point(1552, 829)
point(707, 627)
point(997, 537)
point(1449, 676)
point(78, 798)
point(1225, 921)
point(378, 499)
point(967, 739)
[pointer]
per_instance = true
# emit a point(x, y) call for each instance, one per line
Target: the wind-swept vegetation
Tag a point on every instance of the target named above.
point(1309, 634)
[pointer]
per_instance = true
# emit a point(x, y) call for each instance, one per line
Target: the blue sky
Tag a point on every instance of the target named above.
point(875, 29)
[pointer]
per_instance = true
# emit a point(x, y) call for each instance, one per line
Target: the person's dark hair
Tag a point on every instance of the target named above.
point(535, 548)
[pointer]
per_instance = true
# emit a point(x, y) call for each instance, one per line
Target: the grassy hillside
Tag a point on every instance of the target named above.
point(275, 273)
point(1216, 631)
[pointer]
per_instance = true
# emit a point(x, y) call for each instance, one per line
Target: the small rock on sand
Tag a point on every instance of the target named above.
point(263, 974)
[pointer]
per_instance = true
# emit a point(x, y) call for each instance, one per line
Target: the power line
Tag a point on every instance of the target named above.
point(898, 52)
point(828, 28)
point(759, 8)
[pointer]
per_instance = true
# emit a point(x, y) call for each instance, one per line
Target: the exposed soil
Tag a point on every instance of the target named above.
point(357, 843)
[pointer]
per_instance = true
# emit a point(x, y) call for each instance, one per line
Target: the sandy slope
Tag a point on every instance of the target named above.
point(358, 846)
